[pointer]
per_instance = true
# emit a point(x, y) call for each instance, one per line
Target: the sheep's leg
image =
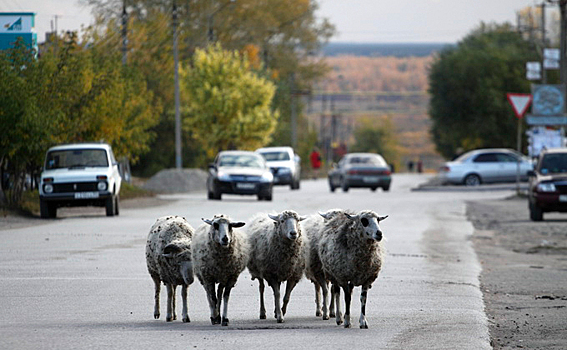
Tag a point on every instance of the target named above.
point(332, 303)
point(318, 299)
point(338, 314)
point(170, 304)
point(278, 311)
point(325, 289)
point(262, 306)
point(225, 298)
point(212, 298)
point(184, 313)
point(289, 285)
point(157, 284)
point(219, 298)
point(348, 296)
point(363, 295)
point(174, 313)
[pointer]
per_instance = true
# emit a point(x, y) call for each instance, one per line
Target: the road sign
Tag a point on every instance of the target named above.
point(533, 70)
point(519, 102)
point(551, 58)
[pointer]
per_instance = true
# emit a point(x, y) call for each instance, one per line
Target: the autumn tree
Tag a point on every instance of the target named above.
point(228, 105)
point(468, 86)
point(376, 135)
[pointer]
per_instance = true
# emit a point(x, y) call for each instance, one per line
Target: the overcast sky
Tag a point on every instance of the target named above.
point(380, 21)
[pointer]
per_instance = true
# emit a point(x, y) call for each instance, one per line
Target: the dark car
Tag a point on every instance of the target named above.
point(239, 172)
point(548, 184)
point(368, 170)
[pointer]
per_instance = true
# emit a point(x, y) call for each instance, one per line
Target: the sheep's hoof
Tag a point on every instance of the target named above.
point(281, 320)
point(186, 319)
point(325, 317)
point(332, 314)
point(169, 318)
point(156, 316)
point(215, 320)
point(347, 325)
point(224, 322)
point(317, 313)
point(363, 326)
point(263, 317)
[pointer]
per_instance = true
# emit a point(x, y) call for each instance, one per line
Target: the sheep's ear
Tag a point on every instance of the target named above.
point(170, 250)
point(301, 218)
point(380, 218)
point(351, 217)
point(324, 215)
point(237, 224)
point(274, 217)
point(210, 222)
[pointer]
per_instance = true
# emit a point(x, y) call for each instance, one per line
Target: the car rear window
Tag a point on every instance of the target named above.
point(367, 160)
point(275, 156)
point(76, 158)
point(554, 163)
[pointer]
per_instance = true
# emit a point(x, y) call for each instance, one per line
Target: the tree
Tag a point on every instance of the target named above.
point(228, 105)
point(468, 86)
point(376, 135)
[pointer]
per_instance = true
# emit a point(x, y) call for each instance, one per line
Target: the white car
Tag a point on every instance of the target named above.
point(82, 174)
point(285, 165)
point(486, 166)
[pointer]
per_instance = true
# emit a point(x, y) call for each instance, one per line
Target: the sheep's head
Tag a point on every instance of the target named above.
point(180, 254)
point(369, 221)
point(221, 229)
point(287, 224)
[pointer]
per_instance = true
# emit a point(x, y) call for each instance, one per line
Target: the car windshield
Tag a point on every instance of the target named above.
point(241, 161)
point(275, 156)
point(367, 160)
point(553, 163)
point(76, 158)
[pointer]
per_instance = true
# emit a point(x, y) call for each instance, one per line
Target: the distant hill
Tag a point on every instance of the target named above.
point(384, 49)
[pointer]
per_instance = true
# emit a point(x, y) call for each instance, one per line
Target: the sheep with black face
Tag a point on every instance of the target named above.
point(220, 254)
point(168, 258)
point(351, 253)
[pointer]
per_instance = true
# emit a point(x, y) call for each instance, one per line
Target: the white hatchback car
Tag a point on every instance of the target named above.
point(485, 166)
point(82, 174)
point(285, 165)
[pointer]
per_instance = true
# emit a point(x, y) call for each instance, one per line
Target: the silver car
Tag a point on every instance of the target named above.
point(486, 166)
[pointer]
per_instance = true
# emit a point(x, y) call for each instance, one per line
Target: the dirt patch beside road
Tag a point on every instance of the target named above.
point(524, 276)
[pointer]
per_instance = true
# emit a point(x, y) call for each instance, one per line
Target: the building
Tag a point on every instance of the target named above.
point(17, 24)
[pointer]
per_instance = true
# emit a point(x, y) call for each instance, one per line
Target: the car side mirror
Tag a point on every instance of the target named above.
point(212, 166)
point(531, 173)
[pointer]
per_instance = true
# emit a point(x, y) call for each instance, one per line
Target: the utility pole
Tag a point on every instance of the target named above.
point(124, 34)
point(178, 163)
point(293, 112)
point(543, 44)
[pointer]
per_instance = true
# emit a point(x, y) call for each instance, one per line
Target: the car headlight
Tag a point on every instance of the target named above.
point(546, 187)
point(102, 186)
point(223, 176)
point(48, 188)
point(267, 177)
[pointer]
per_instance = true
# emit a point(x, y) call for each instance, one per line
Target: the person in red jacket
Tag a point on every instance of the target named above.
point(315, 158)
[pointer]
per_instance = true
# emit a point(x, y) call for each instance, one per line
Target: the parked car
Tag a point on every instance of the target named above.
point(82, 174)
point(547, 191)
point(367, 170)
point(285, 165)
point(239, 172)
point(486, 166)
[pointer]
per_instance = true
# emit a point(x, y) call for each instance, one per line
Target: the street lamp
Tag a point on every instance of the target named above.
point(210, 31)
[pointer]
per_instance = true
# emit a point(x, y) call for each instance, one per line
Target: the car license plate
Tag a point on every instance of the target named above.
point(245, 185)
point(86, 195)
point(370, 179)
point(563, 198)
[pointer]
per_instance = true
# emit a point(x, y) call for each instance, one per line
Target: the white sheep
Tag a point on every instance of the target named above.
point(220, 254)
point(276, 255)
point(351, 253)
point(168, 257)
point(313, 227)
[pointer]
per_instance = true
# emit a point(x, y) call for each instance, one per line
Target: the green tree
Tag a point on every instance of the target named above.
point(468, 86)
point(228, 104)
point(376, 135)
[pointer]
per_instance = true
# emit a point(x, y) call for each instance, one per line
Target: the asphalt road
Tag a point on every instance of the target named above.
point(80, 282)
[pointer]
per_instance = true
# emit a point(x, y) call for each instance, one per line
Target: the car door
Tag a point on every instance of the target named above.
point(507, 167)
point(486, 165)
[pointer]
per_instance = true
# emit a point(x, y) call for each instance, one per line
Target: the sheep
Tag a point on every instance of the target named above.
point(220, 254)
point(351, 254)
point(168, 258)
point(312, 227)
point(276, 255)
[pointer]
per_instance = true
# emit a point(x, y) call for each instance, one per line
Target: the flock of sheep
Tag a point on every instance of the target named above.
point(337, 247)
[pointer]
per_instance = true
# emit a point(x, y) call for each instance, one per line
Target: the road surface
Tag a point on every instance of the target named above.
point(80, 281)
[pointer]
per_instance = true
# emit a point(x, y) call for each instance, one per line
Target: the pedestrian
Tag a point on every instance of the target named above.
point(315, 158)
point(419, 166)
point(410, 166)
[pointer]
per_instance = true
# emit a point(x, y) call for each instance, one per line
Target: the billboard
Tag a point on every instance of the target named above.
point(17, 24)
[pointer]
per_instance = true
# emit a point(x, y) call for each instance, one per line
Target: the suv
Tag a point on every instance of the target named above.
point(285, 165)
point(83, 174)
point(548, 184)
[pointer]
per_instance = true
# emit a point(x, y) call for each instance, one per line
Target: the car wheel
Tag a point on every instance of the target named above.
point(47, 210)
point(210, 195)
point(116, 208)
point(332, 188)
point(536, 213)
point(472, 180)
point(386, 188)
point(110, 205)
point(373, 189)
point(295, 185)
point(344, 185)
point(216, 194)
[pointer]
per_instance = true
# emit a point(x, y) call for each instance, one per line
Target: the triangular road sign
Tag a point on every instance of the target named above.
point(519, 102)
